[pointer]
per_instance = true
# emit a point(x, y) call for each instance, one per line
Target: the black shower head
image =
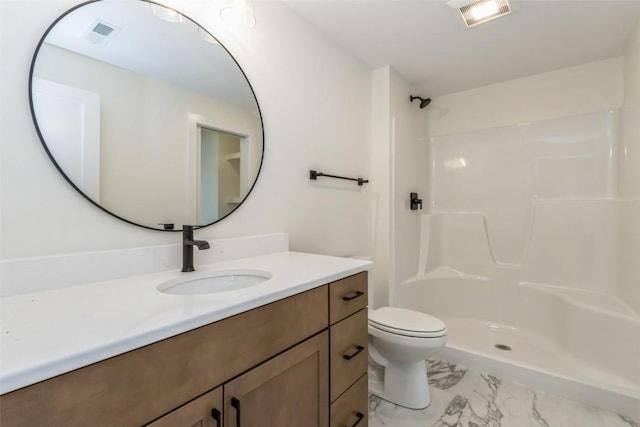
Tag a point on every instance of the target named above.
point(423, 101)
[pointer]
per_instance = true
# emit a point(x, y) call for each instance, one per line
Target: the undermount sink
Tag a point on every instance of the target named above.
point(213, 282)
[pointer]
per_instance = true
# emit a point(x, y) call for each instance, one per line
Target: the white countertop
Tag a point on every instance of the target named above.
point(49, 333)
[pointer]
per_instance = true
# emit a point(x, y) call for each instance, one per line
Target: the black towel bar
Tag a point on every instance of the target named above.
point(315, 174)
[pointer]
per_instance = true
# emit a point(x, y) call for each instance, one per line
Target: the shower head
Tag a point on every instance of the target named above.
point(423, 101)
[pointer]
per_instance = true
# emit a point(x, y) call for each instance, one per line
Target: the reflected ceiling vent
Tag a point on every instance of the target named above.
point(100, 32)
point(475, 13)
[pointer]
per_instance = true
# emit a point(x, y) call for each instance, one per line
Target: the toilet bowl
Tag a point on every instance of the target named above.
point(400, 341)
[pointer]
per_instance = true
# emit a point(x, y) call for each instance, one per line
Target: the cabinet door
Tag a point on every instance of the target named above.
point(204, 411)
point(289, 390)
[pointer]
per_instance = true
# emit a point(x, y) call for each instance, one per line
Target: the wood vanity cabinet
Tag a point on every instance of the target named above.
point(267, 367)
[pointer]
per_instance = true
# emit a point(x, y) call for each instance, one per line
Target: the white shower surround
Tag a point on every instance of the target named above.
point(571, 344)
point(525, 246)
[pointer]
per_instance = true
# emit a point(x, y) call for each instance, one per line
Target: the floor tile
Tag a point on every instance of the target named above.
point(445, 410)
point(558, 411)
point(464, 398)
point(453, 378)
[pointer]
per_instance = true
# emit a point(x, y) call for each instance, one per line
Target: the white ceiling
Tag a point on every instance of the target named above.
point(424, 42)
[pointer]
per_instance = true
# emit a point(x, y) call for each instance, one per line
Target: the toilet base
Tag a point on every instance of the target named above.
point(406, 385)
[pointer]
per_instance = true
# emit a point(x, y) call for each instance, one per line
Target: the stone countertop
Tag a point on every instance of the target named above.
point(49, 333)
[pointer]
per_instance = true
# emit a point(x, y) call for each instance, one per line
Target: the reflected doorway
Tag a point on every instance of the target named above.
point(222, 161)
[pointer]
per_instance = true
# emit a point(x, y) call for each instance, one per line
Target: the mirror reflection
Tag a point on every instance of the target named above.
point(146, 114)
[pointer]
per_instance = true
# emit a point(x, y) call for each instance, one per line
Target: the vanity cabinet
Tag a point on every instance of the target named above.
point(297, 377)
point(269, 366)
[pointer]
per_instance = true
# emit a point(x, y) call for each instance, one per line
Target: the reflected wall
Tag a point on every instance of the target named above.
point(144, 155)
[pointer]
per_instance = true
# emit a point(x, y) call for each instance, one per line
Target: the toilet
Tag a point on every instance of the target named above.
point(399, 341)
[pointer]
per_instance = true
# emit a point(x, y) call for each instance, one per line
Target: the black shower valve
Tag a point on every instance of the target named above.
point(415, 202)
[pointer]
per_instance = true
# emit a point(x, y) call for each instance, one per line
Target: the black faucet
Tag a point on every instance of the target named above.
point(187, 247)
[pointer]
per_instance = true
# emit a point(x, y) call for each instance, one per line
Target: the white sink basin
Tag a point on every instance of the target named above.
point(213, 282)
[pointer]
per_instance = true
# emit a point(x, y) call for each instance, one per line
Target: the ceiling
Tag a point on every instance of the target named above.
point(173, 52)
point(424, 41)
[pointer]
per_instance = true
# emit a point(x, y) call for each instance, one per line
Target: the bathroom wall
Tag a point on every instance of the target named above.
point(524, 177)
point(315, 100)
point(400, 154)
point(630, 125)
point(586, 88)
point(409, 173)
point(381, 185)
point(629, 176)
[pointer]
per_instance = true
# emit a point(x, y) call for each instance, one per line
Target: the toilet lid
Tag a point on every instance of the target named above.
point(407, 322)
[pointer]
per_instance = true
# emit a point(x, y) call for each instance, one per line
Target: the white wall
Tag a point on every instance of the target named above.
point(381, 185)
point(586, 88)
point(315, 101)
point(409, 173)
point(629, 176)
point(530, 163)
point(143, 141)
point(400, 166)
point(630, 120)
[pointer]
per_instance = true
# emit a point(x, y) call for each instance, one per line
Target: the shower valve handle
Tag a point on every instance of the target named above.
point(415, 202)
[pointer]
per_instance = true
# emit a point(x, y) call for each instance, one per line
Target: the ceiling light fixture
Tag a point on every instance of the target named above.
point(481, 11)
point(238, 13)
point(484, 10)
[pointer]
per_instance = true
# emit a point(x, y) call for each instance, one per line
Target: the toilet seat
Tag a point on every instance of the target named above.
point(409, 323)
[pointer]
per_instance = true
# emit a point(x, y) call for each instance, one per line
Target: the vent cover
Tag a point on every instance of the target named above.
point(481, 11)
point(99, 32)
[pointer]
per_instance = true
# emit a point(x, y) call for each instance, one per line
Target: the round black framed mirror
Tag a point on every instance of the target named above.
point(146, 114)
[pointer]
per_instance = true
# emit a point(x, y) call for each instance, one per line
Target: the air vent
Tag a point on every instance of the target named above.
point(478, 12)
point(99, 32)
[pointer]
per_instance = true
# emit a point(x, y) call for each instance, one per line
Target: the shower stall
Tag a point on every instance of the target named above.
point(530, 257)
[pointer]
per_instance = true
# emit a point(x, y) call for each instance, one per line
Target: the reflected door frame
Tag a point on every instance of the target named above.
point(194, 146)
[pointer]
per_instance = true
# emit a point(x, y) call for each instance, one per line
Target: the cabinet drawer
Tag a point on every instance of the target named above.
point(347, 296)
point(348, 352)
point(351, 409)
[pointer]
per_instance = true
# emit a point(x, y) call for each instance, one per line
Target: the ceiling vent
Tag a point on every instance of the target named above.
point(99, 32)
point(481, 11)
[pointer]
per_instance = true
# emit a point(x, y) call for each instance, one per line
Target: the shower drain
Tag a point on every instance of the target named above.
point(503, 347)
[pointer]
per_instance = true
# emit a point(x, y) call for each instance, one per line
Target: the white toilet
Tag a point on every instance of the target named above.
point(399, 341)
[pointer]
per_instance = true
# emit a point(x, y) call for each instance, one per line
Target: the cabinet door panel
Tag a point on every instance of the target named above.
point(198, 413)
point(288, 390)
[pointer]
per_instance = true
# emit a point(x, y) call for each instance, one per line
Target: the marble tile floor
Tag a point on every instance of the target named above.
point(464, 398)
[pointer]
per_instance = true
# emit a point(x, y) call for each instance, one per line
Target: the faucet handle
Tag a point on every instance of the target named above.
point(167, 226)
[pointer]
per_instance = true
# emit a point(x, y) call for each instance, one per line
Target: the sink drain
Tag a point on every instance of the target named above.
point(503, 347)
